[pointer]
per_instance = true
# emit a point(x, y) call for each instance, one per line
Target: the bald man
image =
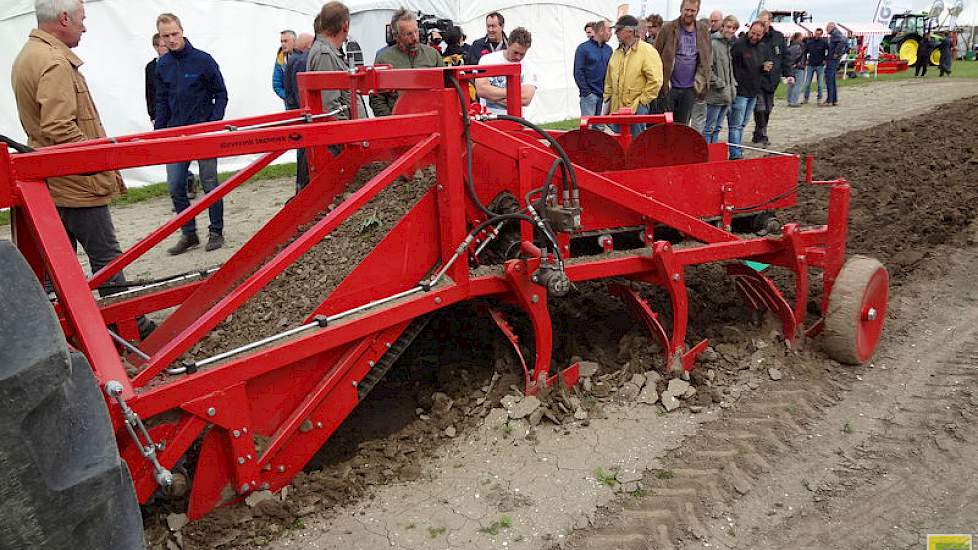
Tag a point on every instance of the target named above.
point(716, 21)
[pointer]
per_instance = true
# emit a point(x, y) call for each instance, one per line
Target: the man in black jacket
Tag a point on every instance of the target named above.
point(776, 45)
point(751, 63)
point(151, 77)
point(816, 51)
point(493, 41)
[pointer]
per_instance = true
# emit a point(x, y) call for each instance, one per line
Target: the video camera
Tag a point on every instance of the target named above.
point(426, 24)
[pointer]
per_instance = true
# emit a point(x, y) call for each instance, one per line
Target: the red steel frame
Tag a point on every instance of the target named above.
point(295, 393)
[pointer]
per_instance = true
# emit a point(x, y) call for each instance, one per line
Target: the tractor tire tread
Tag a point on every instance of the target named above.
point(62, 481)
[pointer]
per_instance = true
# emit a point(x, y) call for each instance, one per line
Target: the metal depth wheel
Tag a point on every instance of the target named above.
point(62, 483)
point(857, 310)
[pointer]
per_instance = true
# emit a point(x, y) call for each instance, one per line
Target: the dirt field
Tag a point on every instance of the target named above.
point(773, 448)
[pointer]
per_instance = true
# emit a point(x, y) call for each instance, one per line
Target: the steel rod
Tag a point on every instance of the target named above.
point(771, 151)
point(293, 331)
point(303, 118)
point(122, 341)
point(185, 277)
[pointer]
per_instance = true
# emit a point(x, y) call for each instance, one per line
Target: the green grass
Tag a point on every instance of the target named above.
point(960, 69)
point(504, 522)
point(155, 190)
point(605, 478)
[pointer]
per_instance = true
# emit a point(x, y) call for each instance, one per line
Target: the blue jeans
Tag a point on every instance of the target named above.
point(737, 118)
point(819, 74)
point(714, 121)
point(794, 90)
point(831, 67)
point(636, 128)
point(590, 105)
point(176, 180)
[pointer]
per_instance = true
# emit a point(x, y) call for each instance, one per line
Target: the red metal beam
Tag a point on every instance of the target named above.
point(164, 231)
point(190, 335)
point(108, 156)
point(83, 315)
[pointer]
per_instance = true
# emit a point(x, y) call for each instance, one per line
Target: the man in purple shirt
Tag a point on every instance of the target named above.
point(684, 46)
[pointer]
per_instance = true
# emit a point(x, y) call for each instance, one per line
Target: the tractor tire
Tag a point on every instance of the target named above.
point(62, 483)
point(857, 311)
point(935, 58)
point(908, 48)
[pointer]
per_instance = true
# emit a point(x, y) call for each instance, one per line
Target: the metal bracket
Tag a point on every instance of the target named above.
point(140, 437)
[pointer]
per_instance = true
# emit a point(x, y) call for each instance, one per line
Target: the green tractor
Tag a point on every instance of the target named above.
point(907, 33)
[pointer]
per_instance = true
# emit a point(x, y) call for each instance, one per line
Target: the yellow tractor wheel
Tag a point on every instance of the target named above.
point(908, 50)
point(935, 57)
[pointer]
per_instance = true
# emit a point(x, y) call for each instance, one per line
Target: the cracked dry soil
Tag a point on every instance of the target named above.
point(435, 387)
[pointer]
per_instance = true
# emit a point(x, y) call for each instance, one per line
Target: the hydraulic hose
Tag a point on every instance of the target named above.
point(553, 143)
point(469, 180)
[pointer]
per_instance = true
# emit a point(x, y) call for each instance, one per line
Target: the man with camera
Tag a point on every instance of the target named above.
point(407, 53)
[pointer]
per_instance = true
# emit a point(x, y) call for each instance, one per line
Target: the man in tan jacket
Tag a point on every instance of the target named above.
point(55, 107)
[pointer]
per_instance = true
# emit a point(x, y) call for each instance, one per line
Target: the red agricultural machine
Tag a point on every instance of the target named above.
point(552, 209)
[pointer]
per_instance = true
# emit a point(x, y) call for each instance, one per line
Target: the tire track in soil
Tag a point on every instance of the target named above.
point(703, 488)
point(910, 473)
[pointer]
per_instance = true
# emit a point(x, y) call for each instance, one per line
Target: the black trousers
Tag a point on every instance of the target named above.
point(762, 115)
point(301, 170)
point(92, 228)
point(920, 69)
point(681, 102)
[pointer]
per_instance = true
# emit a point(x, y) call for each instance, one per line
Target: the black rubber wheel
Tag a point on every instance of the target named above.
point(62, 483)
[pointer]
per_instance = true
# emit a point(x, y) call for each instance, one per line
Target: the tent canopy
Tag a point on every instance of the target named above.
point(865, 29)
point(243, 37)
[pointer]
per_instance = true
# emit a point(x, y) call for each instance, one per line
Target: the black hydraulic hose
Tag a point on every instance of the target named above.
point(553, 142)
point(469, 180)
point(15, 145)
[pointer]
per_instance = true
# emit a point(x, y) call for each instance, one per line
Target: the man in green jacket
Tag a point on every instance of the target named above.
point(407, 53)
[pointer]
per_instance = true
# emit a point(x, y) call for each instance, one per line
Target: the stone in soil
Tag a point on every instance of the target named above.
point(677, 387)
point(775, 374)
point(257, 497)
point(524, 407)
point(176, 521)
point(648, 395)
point(628, 391)
point(670, 402)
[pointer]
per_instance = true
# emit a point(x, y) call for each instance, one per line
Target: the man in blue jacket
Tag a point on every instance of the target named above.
point(590, 67)
point(191, 91)
point(287, 39)
point(838, 47)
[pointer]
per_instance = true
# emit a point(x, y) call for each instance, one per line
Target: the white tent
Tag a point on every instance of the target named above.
point(243, 35)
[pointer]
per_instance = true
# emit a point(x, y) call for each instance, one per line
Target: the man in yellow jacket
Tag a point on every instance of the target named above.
point(634, 72)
